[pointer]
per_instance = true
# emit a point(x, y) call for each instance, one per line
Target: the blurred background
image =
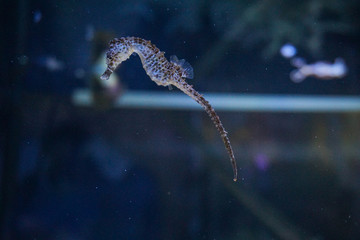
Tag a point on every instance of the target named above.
point(126, 159)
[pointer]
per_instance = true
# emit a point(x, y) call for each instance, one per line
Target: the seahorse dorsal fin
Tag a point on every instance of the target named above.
point(187, 69)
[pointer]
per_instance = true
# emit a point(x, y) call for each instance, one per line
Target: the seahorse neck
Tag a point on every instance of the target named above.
point(142, 49)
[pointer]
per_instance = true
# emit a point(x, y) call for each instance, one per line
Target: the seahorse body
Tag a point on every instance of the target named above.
point(163, 73)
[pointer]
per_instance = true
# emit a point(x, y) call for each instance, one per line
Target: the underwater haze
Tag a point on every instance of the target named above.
point(132, 119)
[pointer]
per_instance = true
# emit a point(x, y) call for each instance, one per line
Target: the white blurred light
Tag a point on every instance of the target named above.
point(321, 70)
point(288, 50)
point(53, 64)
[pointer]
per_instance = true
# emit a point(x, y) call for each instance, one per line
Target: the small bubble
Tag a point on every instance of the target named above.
point(23, 60)
point(37, 16)
point(89, 32)
point(79, 73)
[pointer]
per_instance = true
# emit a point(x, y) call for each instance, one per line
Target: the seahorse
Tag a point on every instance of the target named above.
point(163, 73)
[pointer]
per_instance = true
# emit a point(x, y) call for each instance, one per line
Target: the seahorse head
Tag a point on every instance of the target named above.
point(119, 51)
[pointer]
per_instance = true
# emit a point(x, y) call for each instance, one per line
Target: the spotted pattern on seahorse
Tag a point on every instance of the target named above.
point(163, 73)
